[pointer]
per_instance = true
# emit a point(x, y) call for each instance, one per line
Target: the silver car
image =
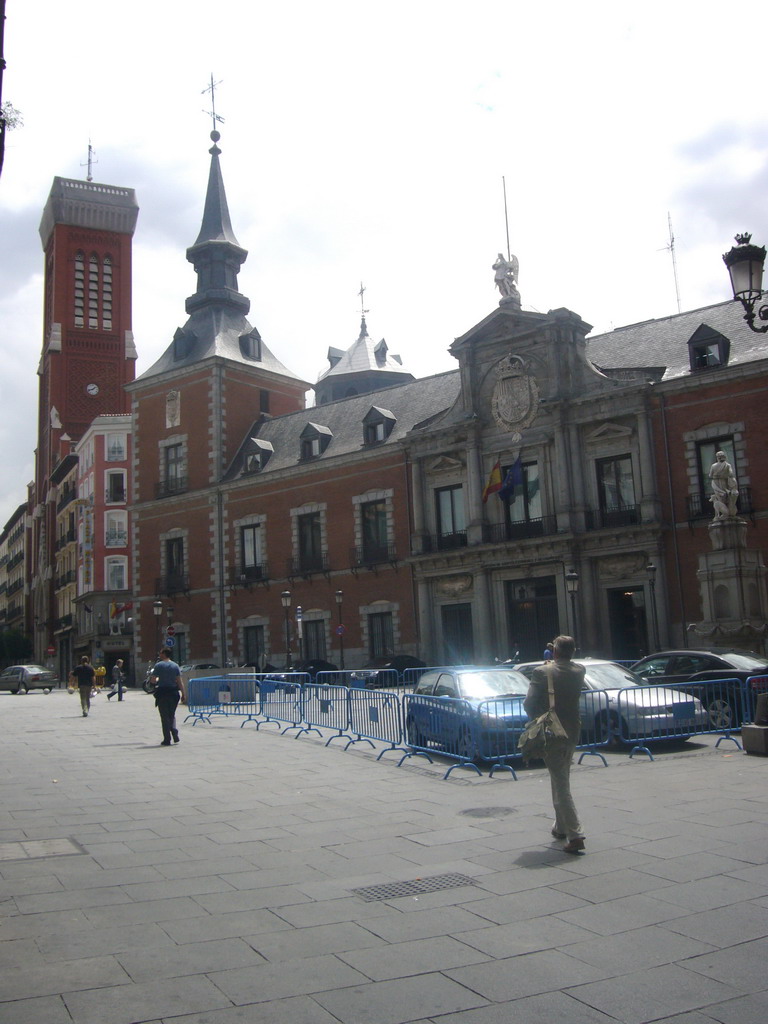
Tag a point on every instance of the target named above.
point(21, 678)
point(620, 704)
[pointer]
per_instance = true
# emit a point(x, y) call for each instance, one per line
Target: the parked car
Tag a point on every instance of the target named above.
point(646, 712)
point(20, 678)
point(446, 729)
point(385, 672)
point(724, 704)
point(316, 665)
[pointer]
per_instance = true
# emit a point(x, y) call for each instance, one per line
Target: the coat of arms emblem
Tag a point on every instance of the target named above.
point(515, 397)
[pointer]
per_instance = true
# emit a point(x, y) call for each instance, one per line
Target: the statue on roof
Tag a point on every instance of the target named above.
point(505, 276)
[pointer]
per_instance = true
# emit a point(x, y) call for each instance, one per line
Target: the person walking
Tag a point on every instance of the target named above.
point(83, 676)
point(118, 678)
point(169, 689)
point(567, 682)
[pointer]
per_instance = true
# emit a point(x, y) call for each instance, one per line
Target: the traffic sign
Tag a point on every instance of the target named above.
point(341, 630)
point(170, 631)
point(169, 641)
point(50, 650)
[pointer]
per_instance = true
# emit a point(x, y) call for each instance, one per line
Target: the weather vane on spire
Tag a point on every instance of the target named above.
point(212, 112)
point(361, 293)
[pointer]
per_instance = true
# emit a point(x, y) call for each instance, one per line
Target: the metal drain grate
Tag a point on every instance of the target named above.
point(415, 887)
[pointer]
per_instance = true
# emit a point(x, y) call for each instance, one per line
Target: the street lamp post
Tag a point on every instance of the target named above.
point(572, 586)
point(157, 608)
point(745, 267)
point(339, 595)
point(651, 570)
point(285, 599)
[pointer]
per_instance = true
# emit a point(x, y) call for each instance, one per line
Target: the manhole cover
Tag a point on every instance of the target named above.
point(414, 887)
point(488, 812)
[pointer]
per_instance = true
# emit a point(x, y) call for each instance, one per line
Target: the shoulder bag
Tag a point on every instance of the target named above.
point(539, 731)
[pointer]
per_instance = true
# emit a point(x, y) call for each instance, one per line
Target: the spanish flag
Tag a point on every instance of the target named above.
point(494, 482)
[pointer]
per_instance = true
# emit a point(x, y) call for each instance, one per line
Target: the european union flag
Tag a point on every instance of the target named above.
point(513, 479)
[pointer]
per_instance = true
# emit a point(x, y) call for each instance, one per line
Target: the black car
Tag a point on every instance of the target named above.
point(724, 704)
point(387, 672)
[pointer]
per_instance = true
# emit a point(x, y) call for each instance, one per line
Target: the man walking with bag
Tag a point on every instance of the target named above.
point(558, 685)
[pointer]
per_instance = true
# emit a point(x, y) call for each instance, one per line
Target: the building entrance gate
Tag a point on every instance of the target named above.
point(532, 616)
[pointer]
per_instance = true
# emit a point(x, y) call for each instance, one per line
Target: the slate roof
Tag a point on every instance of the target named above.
point(218, 331)
point(408, 403)
point(362, 356)
point(664, 342)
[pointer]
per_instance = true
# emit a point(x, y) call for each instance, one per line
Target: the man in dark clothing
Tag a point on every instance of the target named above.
point(169, 689)
point(567, 682)
point(83, 676)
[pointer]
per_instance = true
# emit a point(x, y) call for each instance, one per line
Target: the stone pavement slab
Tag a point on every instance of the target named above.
point(216, 882)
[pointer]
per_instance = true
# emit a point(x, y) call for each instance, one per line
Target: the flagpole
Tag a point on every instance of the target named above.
point(506, 217)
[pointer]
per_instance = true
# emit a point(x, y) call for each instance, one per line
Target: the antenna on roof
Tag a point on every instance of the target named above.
point(506, 218)
point(90, 162)
point(212, 112)
point(671, 249)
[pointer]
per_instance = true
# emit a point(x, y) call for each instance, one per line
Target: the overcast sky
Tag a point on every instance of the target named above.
point(367, 142)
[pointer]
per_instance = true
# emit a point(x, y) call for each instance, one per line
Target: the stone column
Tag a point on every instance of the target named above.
point(417, 497)
point(483, 620)
point(426, 626)
point(474, 499)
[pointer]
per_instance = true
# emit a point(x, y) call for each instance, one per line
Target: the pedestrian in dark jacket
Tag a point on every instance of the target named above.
point(169, 689)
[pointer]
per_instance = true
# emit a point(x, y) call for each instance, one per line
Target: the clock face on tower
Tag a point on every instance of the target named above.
point(92, 389)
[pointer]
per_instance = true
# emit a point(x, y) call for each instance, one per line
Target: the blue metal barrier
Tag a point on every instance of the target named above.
point(204, 698)
point(725, 701)
point(595, 724)
point(643, 714)
point(755, 685)
point(375, 715)
point(281, 700)
point(326, 707)
point(500, 721)
point(440, 725)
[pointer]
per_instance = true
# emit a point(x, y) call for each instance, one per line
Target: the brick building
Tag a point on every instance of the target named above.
point(88, 355)
point(381, 508)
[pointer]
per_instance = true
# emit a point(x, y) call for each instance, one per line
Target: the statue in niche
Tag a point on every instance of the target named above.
point(505, 276)
point(173, 409)
point(725, 489)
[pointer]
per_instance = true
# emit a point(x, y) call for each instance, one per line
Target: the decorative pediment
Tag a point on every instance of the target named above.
point(446, 464)
point(609, 432)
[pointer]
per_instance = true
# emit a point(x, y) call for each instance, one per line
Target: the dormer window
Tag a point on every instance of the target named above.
point(314, 440)
point(377, 425)
point(183, 343)
point(250, 345)
point(257, 454)
point(708, 348)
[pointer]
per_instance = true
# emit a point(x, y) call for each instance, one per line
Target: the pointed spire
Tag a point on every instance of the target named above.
point(216, 224)
point(216, 255)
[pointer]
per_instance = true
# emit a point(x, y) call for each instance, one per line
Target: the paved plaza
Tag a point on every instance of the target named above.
point(219, 881)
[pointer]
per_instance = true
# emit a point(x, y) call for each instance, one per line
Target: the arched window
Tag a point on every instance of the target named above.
point(106, 293)
point(93, 291)
point(79, 289)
